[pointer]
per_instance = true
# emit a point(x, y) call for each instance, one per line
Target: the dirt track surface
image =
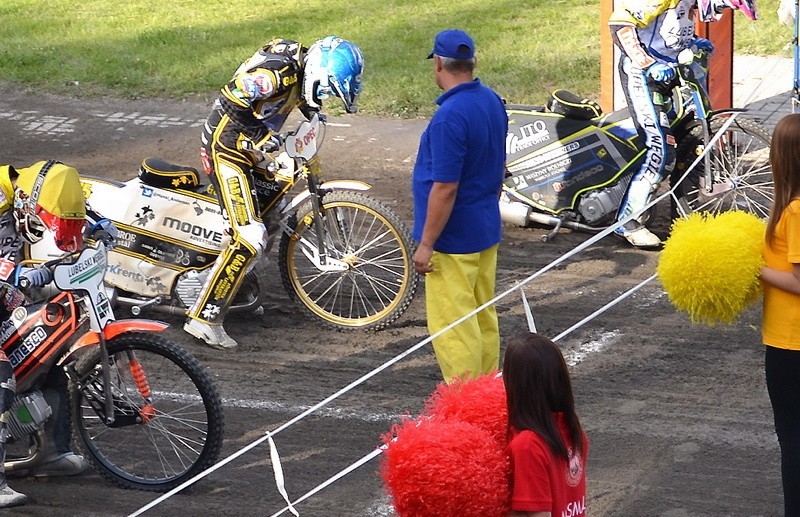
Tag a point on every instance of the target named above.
point(677, 415)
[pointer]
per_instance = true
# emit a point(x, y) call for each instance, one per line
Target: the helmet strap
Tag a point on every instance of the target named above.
point(33, 199)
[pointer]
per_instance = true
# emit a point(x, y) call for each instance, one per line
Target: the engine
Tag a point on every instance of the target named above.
point(28, 414)
point(601, 205)
point(188, 286)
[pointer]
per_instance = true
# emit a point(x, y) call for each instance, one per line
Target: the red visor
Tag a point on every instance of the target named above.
point(68, 233)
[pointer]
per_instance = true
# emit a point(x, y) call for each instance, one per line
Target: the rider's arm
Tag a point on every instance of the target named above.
point(307, 110)
point(238, 99)
point(629, 16)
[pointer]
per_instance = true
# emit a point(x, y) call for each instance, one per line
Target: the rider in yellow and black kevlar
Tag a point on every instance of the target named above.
point(241, 131)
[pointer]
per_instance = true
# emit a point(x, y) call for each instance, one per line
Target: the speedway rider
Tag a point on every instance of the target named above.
point(46, 195)
point(650, 34)
point(243, 126)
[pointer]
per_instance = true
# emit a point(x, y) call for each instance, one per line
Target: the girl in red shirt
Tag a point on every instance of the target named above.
point(547, 445)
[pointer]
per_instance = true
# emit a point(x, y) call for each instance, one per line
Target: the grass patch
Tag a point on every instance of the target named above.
point(189, 48)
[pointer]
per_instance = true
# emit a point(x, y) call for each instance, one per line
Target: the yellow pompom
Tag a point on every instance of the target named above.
point(710, 265)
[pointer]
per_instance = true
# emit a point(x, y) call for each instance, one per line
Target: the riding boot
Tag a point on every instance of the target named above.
point(8, 496)
point(637, 197)
point(57, 456)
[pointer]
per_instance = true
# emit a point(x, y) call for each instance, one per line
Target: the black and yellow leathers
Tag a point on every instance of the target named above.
point(248, 113)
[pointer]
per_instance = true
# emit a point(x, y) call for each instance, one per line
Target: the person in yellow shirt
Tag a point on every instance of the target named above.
point(781, 316)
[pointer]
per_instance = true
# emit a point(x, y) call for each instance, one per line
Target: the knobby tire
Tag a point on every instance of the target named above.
point(184, 427)
point(380, 281)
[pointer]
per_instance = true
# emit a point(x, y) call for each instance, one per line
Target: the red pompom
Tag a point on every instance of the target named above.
point(433, 466)
point(480, 401)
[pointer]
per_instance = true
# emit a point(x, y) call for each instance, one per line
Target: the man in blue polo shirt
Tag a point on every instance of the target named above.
point(456, 183)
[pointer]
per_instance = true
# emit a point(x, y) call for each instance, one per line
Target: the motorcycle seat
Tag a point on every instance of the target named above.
point(563, 102)
point(523, 107)
point(162, 174)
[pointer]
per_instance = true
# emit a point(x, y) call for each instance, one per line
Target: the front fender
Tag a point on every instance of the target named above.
point(115, 328)
point(727, 111)
point(328, 185)
point(685, 126)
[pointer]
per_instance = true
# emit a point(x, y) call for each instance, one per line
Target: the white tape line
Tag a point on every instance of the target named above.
point(342, 473)
point(605, 307)
point(528, 313)
point(277, 469)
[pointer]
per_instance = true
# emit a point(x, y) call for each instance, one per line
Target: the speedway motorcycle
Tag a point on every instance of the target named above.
point(344, 256)
point(144, 412)
point(569, 165)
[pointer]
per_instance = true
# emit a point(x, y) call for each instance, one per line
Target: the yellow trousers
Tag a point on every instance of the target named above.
point(458, 285)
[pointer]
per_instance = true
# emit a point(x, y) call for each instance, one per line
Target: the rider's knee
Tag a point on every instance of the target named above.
point(254, 235)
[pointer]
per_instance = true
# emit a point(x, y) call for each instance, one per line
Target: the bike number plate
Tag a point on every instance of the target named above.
point(303, 143)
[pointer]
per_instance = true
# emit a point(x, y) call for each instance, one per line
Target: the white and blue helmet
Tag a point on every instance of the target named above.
point(333, 66)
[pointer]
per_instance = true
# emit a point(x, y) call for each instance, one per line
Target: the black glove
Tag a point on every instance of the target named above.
point(104, 230)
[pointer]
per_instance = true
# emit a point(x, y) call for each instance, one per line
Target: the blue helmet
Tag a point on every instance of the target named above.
point(333, 66)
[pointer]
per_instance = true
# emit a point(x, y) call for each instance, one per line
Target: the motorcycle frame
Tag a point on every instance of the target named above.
point(81, 345)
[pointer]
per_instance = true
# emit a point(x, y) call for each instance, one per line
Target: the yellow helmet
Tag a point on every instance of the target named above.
point(49, 195)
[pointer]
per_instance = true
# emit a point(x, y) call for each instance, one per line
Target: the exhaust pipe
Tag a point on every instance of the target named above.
point(521, 214)
point(514, 212)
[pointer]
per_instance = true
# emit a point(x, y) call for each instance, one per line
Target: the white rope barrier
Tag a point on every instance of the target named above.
point(519, 285)
point(588, 242)
point(605, 307)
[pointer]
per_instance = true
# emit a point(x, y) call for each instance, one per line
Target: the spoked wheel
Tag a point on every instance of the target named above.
point(375, 282)
point(742, 177)
point(168, 421)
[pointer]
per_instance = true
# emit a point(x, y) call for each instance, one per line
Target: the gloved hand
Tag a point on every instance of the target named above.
point(34, 276)
point(661, 73)
point(104, 230)
point(273, 143)
point(703, 44)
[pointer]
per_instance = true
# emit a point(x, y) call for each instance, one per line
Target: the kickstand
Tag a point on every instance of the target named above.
point(552, 235)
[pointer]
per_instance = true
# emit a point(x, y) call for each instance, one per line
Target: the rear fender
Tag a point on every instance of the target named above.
point(328, 185)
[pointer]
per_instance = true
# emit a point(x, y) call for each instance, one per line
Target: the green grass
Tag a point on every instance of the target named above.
point(188, 48)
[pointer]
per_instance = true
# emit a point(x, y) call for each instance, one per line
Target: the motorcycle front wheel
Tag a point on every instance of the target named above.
point(168, 422)
point(742, 177)
point(379, 281)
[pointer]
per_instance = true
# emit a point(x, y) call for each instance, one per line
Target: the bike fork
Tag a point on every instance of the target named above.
point(700, 113)
point(108, 396)
point(147, 411)
point(319, 224)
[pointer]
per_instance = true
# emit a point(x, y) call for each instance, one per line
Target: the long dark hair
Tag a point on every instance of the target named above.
point(784, 158)
point(537, 385)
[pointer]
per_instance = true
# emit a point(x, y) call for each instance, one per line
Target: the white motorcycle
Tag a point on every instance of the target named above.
point(345, 256)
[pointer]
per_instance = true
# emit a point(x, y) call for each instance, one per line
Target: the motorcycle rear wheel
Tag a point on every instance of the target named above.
point(153, 445)
point(740, 165)
point(372, 240)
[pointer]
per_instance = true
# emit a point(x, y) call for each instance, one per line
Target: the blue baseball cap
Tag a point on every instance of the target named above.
point(453, 43)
